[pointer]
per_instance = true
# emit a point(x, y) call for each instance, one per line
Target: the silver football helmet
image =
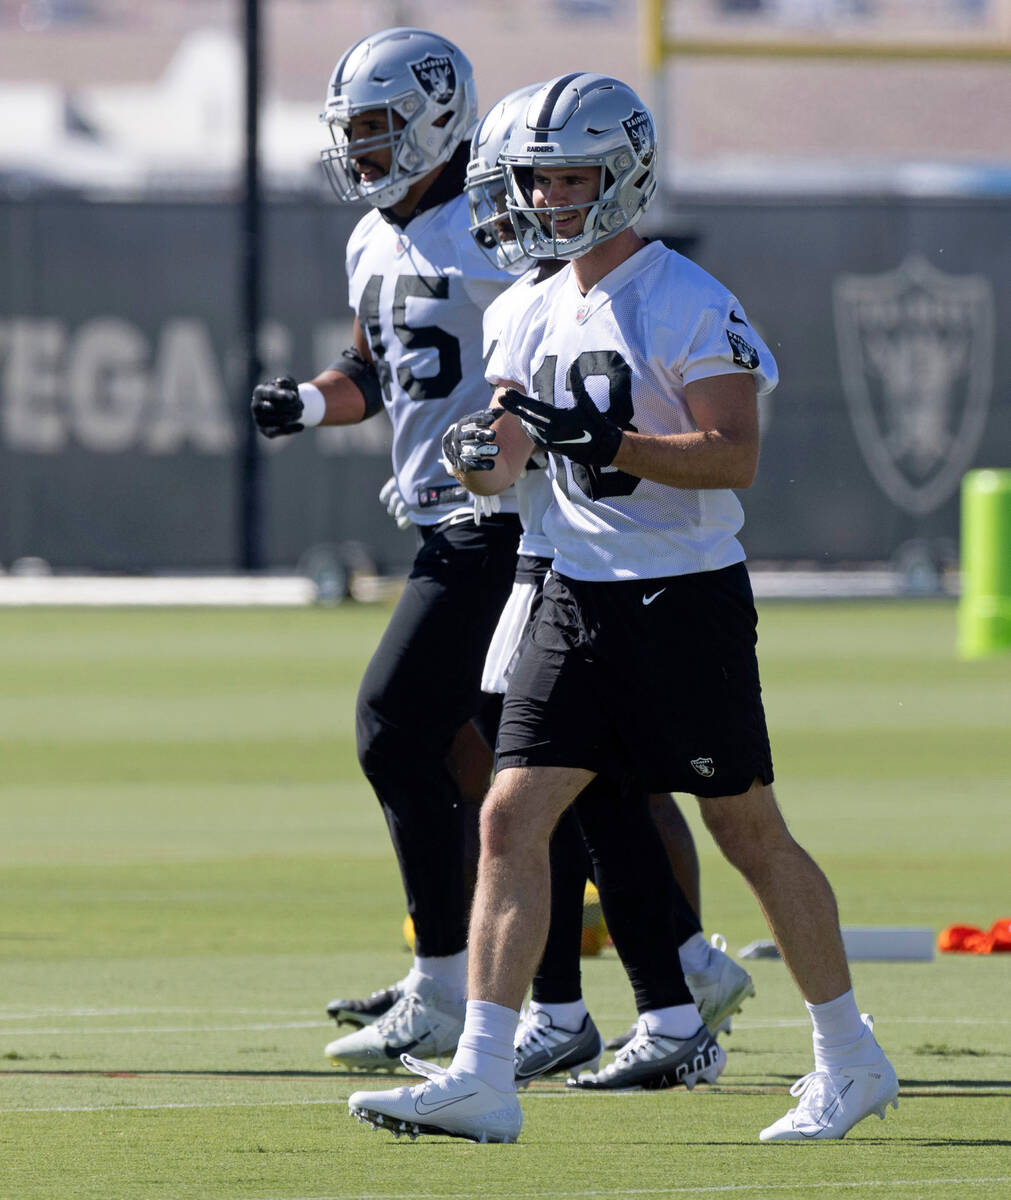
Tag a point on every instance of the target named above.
point(582, 120)
point(490, 226)
point(423, 87)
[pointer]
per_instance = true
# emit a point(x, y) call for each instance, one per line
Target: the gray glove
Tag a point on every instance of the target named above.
point(396, 506)
point(469, 445)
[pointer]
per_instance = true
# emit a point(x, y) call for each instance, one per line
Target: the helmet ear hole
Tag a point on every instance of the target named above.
point(524, 177)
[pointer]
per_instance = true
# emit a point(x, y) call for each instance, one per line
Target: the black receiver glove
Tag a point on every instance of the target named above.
point(584, 433)
point(277, 408)
point(469, 445)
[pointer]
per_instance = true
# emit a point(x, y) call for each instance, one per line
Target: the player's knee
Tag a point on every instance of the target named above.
point(499, 828)
point(749, 829)
point(382, 747)
point(507, 826)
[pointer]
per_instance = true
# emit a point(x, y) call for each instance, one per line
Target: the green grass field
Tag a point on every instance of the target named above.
point(191, 866)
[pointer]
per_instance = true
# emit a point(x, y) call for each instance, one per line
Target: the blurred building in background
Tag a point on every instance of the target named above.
point(859, 206)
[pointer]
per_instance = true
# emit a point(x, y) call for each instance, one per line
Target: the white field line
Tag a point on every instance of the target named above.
point(139, 1011)
point(78, 1031)
point(83, 1032)
point(569, 1096)
point(716, 1189)
point(127, 1108)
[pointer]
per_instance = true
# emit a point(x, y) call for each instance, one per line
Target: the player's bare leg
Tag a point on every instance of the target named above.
point(476, 1097)
point(852, 1078)
point(509, 922)
point(791, 888)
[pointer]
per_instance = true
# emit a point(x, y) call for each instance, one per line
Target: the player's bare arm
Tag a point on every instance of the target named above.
point(346, 393)
point(343, 396)
point(722, 453)
point(514, 447)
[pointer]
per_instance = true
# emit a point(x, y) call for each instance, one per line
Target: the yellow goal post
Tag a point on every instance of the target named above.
point(661, 44)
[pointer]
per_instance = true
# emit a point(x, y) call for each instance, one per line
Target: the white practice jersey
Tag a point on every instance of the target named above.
point(654, 324)
point(420, 294)
point(533, 488)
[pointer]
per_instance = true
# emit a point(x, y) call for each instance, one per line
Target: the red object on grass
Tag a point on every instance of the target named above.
point(968, 939)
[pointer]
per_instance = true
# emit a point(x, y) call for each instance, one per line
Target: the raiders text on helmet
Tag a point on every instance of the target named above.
point(422, 85)
point(581, 120)
point(490, 226)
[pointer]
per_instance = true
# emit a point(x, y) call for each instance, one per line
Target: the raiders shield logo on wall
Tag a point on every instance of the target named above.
point(437, 76)
point(916, 353)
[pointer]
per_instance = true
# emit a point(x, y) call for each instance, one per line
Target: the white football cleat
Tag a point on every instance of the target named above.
point(721, 989)
point(421, 1020)
point(453, 1104)
point(832, 1102)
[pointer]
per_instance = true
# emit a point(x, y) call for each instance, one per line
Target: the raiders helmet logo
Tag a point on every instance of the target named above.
point(639, 131)
point(745, 355)
point(437, 76)
point(704, 766)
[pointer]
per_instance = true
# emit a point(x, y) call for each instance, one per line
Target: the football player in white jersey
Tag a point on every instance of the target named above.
point(401, 108)
point(639, 374)
point(557, 1032)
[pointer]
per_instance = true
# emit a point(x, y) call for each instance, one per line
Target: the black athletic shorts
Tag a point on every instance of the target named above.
point(655, 679)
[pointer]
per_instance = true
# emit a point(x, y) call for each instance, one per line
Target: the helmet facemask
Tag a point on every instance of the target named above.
point(621, 199)
point(400, 139)
point(490, 223)
point(582, 122)
point(420, 88)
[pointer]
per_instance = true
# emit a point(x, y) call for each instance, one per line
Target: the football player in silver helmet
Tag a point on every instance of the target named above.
point(581, 167)
point(401, 108)
point(398, 104)
point(640, 375)
point(490, 227)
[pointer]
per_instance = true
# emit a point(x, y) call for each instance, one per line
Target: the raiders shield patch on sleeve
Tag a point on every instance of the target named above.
point(745, 355)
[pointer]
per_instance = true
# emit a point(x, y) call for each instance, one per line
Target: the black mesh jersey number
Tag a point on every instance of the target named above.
point(596, 483)
point(428, 287)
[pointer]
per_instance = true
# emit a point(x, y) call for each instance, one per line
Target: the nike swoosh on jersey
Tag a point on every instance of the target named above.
point(647, 600)
point(584, 437)
point(423, 1109)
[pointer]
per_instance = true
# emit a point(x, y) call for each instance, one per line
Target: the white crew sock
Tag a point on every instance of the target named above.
point(681, 1021)
point(840, 1037)
point(694, 954)
point(485, 1048)
point(449, 973)
point(568, 1016)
